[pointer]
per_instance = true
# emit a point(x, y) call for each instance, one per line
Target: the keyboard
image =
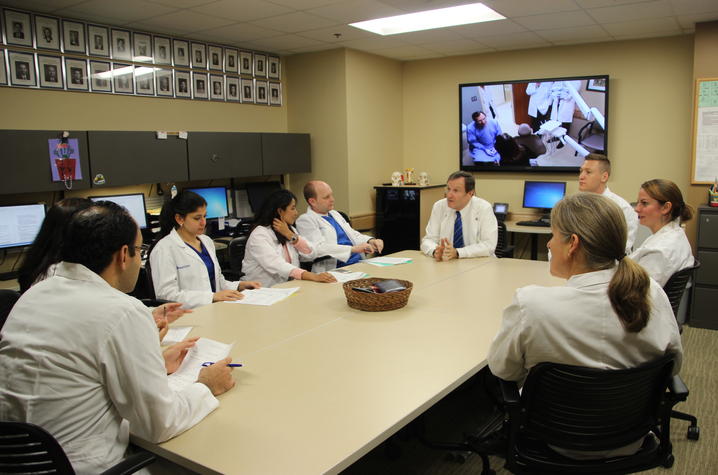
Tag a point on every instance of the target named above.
point(544, 224)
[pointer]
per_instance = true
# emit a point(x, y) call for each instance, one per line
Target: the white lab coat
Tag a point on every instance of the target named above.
point(540, 97)
point(479, 226)
point(179, 274)
point(264, 259)
point(575, 324)
point(82, 359)
point(629, 213)
point(323, 237)
point(563, 102)
point(664, 253)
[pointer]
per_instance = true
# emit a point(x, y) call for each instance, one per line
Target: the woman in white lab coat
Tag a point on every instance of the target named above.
point(661, 208)
point(184, 263)
point(609, 315)
point(274, 246)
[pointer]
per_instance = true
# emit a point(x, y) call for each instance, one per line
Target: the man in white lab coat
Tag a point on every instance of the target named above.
point(81, 359)
point(593, 177)
point(329, 232)
point(461, 225)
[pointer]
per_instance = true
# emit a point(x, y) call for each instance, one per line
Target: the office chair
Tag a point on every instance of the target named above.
point(236, 248)
point(7, 301)
point(29, 449)
point(592, 137)
point(675, 288)
point(503, 248)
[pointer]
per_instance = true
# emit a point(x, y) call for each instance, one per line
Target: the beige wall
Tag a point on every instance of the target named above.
point(649, 110)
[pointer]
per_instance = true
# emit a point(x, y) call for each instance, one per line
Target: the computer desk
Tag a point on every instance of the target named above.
point(323, 384)
point(534, 231)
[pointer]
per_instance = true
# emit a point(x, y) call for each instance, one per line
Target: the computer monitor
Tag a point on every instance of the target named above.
point(216, 198)
point(134, 203)
point(543, 194)
point(19, 224)
point(259, 191)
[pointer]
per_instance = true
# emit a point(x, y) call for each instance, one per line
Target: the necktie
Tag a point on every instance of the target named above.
point(458, 232)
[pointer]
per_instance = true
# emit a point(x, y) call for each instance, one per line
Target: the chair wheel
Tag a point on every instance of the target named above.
point(669, 461)
point(693, 433)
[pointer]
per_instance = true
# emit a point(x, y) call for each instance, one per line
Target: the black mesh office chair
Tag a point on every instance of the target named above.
point(7, 301)
point(674, 289)
point(236, 248)
point(29, 449)
point(503, 248)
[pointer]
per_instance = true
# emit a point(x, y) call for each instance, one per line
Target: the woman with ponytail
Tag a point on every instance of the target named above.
point(661, 208)
point(184, 262)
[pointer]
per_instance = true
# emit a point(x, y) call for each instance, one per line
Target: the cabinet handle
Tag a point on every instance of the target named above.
point(214, 158)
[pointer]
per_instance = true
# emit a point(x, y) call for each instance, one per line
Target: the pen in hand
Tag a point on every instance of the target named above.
point(231, 365)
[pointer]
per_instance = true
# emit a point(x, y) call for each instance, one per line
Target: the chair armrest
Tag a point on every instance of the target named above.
point(232, 275)
point(677, 388)
point(508, 251)
point(510, 392)
point(154, 302)
point(131, 464)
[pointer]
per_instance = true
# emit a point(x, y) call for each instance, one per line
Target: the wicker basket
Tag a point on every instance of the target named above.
point(376, 302)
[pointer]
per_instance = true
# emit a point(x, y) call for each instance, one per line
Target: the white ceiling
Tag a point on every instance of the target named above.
point(296, 26)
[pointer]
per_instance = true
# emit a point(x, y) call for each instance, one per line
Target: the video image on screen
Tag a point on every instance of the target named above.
point(532, 125)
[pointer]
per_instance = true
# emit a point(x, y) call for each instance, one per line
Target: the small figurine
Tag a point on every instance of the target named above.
point(424, 179)
point(396, 179)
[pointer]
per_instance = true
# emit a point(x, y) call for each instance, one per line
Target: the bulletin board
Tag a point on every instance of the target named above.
point(705, 132)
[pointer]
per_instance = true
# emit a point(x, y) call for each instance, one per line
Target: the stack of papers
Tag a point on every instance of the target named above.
point(387, 261)
point(175, 335)
point(346, 276)
point(264, 296)
point(204, 350)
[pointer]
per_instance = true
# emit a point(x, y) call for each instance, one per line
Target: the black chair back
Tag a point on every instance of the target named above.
point(676, 285)
point(503, 249)
point(7, 301)
point(27, 448)
point(236, 253)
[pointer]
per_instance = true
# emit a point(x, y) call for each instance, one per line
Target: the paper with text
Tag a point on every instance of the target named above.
point(347, 276)
point(388, 261)
point(175, 335)
point(204, 350)
point(265, 296)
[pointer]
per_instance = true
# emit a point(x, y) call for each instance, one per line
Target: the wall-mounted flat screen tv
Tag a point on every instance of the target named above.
point(540, 125)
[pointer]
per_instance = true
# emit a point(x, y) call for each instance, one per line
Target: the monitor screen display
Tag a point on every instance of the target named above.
point(20, 224)
point(258, 192)
point(543, 194)
point(536, 125)
point(134, 203)
point(216, 198)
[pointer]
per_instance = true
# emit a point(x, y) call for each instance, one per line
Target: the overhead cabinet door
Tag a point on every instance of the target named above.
point(224, 155)
point(286, 153)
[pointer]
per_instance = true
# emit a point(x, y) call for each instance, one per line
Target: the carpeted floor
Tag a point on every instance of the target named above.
point(403, 454)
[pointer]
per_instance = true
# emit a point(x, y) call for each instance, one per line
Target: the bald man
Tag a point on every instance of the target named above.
point(330, 233)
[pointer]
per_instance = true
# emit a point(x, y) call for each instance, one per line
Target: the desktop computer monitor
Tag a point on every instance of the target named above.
point(543, 194)
point(259, 191)
point(134, 203)
point(216, 198)
point(19, 224)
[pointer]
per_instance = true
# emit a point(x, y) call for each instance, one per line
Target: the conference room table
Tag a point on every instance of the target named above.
point(323, 384)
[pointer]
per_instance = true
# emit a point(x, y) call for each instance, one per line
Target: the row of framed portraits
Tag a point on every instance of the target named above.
point(47, 71)
point(43, 32)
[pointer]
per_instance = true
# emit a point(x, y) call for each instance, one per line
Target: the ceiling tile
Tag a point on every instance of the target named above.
point(430, 36)
point(120, 12)
point(284, 42)
point(327, 34)
point(408, 51)
point(185, 21)
point(305, 4)
point(555, 20)
point(636, 36)
point(311, 49)
point(578, 34)
point(181, 3)
point(606, 3)
point(244, 10)
point(689, 21)
point(44, 6)
point(240, 32)
point(465, 46)
point(526, 39)
point(423, 5)
point(355, 10)
point(373, 44)
point(654, 25)
point(294, 22)
point(489, 28)
point(516, 8)
point(654, 9)
point(683, 7)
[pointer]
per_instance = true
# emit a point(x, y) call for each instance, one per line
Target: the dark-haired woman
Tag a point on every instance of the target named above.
point(184, 263)
point(44, 254)
point(273, 248)
point(661, 208)
point(609, 315)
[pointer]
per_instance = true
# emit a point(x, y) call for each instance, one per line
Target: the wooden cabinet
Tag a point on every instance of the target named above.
point(224, 155)
point(286, 153)
point(705, 291)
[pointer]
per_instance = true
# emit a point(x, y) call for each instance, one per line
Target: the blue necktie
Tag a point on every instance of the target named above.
point(458, 232)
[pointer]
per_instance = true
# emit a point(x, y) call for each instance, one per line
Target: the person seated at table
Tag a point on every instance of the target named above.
point(80, 358)
point(609, 315)
point(184, 263)
point(661, 209)
point(273, 248)
point(329, 232)
point(461, 225)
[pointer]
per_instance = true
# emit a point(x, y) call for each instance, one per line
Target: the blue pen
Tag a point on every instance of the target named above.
point(231, 365)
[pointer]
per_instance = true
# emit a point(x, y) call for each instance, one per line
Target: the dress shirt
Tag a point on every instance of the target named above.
point(664, 253)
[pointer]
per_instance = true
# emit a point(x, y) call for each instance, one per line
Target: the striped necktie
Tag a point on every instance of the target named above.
point(458, 232)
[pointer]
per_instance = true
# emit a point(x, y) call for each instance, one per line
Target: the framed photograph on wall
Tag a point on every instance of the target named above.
point(142, 43)
point(183, 84)
point(214, 57)
point(76, 74)
point(144, 80)
point(18, 30)
point(261, 92)
point(199, 85)
point(247, 87)
point(598, 85)
point(98, 40)
point(180, 52)
point(121, 44)
point(122, 75)
point(199, 56)
point(47, 32)
point(216, 91)
point(273, 71)
point(232, 92)
point(73, 35)
point(101, 76)
point(260, 65)
point(163, 53)
point(22, 69)
point(49, 69)
point(165, 85)
point(3, 71)
point(231, 63)
point(245, 62)
point(275, 94)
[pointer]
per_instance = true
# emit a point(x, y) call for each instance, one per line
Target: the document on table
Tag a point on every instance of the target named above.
point(175, 335)
point(346, 276)
point(204, 350)
point(265, 296)
point(388, 261)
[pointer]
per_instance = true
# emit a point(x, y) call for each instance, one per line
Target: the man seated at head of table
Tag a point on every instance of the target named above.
point(461, 225)
point(332, 236)
point(609, 315)
point(80, 358)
